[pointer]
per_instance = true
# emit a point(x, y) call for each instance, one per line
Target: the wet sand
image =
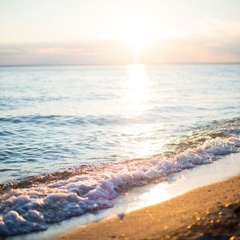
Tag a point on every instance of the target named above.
point(208, 212)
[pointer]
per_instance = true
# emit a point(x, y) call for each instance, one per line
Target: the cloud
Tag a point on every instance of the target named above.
point(91, 52)
point(212, 46)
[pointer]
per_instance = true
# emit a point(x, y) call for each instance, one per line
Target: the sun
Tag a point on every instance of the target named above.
point(135, 32)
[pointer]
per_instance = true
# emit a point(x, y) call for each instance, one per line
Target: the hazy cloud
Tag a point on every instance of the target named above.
point(177, 50)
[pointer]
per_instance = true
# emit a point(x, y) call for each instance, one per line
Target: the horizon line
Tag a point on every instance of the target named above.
point(114, 64)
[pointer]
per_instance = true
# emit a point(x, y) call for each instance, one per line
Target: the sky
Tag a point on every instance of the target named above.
point(51, 32)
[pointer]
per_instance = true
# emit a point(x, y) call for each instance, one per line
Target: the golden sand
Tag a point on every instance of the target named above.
point(212, 210)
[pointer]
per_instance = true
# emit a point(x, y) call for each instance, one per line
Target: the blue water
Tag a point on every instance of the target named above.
point(53, 118)
point(71, 127)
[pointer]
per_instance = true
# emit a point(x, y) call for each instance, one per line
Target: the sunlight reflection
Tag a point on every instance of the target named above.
point(156, 194)
point(136, 92)
point(138, 136)
point(136, 102)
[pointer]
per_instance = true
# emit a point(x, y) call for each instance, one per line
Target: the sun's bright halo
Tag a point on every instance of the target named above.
point(135, 32)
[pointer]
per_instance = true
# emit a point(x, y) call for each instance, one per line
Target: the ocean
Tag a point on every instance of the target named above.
point(73, 138)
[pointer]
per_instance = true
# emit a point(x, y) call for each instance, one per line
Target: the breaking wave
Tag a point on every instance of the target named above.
point(32, 204)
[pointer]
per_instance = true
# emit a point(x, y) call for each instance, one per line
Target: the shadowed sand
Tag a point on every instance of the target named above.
point(209, 212)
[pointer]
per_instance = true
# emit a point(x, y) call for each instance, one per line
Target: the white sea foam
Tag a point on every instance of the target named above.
point(31, 209)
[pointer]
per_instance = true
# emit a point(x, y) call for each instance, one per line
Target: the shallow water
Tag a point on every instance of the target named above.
point(174, 185)
point(73, 138)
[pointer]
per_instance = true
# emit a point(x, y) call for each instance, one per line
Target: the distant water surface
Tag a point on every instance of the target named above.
point(96, 129)
point(53, 118)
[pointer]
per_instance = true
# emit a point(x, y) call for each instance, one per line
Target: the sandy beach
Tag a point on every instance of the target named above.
point(208, 212)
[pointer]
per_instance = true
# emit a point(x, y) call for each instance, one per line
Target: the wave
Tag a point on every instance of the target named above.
point(32, 204)
point(65, 120)
point(62, 120)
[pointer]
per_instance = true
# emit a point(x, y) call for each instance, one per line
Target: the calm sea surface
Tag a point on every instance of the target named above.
point(86, 130)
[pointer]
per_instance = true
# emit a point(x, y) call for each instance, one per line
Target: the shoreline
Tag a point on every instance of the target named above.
point(211, 210)
point(151, 194)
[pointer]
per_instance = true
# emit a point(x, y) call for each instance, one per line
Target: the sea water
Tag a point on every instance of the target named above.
point(72, 138)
